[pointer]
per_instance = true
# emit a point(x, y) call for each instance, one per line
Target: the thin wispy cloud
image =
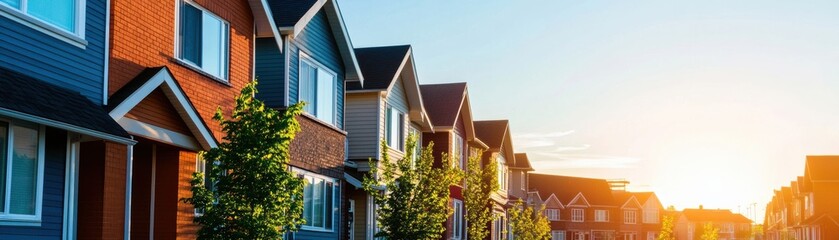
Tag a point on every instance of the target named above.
point(535, 140)
point(550, 151)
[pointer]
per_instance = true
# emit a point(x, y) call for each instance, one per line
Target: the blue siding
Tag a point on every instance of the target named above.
point(397, 98)
point(318, 42)
point(52, 212)
point(270, 72)
point(39, 55)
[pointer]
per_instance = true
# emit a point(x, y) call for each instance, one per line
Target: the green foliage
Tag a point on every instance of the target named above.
point(415, 203)
point(528, 223)
point(668, 227)
point(709, 232)
point(481, 182)
point(254, 195)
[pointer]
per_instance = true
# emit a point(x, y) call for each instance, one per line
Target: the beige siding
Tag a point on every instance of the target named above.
point(362, 115)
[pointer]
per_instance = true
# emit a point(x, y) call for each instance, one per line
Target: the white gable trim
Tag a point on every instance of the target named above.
point(158, 133)
point(262, 14)
point(176, 96)
point(298, 27)
point(632, 199)
point(553, 196)
point(579, 197)
point(417, 109)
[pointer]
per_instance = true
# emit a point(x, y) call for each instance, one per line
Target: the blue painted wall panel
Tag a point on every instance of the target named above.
point(52, 60)
point(270, 72)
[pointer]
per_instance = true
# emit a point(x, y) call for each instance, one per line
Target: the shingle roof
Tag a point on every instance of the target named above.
point(492, 132)
point(714, 215)
point(34, 97)
point(288, 12)
point(443, 101)
point(522, 162)
point(596, 191)
point(822, 168)
point(379, 65)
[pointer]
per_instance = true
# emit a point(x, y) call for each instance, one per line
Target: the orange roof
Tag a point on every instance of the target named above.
point(822, 168)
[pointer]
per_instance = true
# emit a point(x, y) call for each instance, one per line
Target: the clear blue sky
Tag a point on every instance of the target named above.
point(708, 102)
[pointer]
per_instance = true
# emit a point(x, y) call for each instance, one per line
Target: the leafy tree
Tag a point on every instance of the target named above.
point(528, 223)
point(253, 195)
point(709, 232)
point(481, 182)
point(667, 228)
point(412, 195)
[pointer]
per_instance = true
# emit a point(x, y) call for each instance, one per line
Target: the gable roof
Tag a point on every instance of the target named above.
point(822, 168)
point(642, 197)
point(492, 132)
point(443, 102)
point(553, 202)
point(127, 97)
point(522, 162)
point(626, 199)
point(292, 16)
point(380, 66)
point(714, 215)
point(566, 188)
point(30, 99)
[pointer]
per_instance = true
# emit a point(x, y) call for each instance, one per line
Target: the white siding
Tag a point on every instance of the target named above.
point(363, 114)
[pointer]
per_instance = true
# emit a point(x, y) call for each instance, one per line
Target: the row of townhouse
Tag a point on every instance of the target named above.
point(590, 209)
point(106, 104)
point(807, 209)
point(690, 223)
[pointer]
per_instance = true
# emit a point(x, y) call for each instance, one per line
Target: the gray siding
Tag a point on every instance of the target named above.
point(363, 114)
point(396, 99)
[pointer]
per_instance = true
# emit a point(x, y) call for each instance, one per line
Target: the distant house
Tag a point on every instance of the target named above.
point(808, 208)
point(578, 208)
point(387, 108)
point(690, 224)
point(454, 135)
point(639, 216)
point(496, 134)
point(310, 58)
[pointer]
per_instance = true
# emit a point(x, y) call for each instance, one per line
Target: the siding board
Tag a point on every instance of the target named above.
point(362, 115)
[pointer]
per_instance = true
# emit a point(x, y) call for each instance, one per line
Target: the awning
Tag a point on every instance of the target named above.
point(26, 98)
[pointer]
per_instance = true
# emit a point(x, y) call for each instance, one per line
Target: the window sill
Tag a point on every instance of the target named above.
point(20, 222)
point(315, 229)
point(321, 122)
point(202, 72)
point(41, 26)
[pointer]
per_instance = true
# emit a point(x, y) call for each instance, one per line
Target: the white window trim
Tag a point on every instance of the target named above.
point(558, 235)
point(71, 187)
point(605, 216)
point(460, 157)
point(187, 63)
point(20, 219)
point(76, 38)
point(582, 215)
point(553, 214)
point(627, 219)
point(400, 140)
point(303, 56)
point(458, 220)
point(336, 198)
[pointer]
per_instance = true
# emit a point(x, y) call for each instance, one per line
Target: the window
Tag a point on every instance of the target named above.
point(651, 215)
point(602, 235)
point(317, 89)
point(601, 216)
point(557, 235)
point(395, 129)
point(552, 214)
point(651, 236)
point(203, 40)
point(457, 219)
point(502, 171)
point(523, 180)
point(630, 236)
point(418, 146)
point(498, 228)
point(202, 167)
point(62, 15)
point(457, 152)
point(629, 217)
point(21, 171)
point(320, 201)
point(578, 215)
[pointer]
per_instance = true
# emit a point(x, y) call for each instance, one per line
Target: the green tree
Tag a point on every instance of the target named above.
point(412, 195)
point(481, 182)
point(709, 232)
point(667, 228)
point(254, 195)
point(528, 223)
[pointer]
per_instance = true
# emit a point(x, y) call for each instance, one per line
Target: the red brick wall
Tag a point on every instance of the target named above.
point(143, 35)
point(101, 190)
point(187, 229)
point(157, 110)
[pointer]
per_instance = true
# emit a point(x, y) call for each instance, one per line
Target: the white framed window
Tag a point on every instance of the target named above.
point(502, 171)
point(418, 147)
point(630, 236)
point(629, 217)
point(203, 40)
point(578, 215)
point(651, 215)
point(21, 172)
point(321, 200)
point(523, 180)
point(202, 167)
point(601, 216)
point(552, 214)
point(458, 157)
point(557, 235)
point(457, 220)
point(652, 235)
point(317, 87)
point(395, 129)
point(498, 228)
point(64, 19)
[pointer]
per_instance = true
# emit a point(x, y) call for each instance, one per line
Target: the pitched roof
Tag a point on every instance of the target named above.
point(492, 132)
point(714, 215)
point(443, 101)
point(822, 168)
point(566, 188)
point(642, 196)
point(522, 162)
point(35, 100)
point(379, 65)
point(287, 13)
